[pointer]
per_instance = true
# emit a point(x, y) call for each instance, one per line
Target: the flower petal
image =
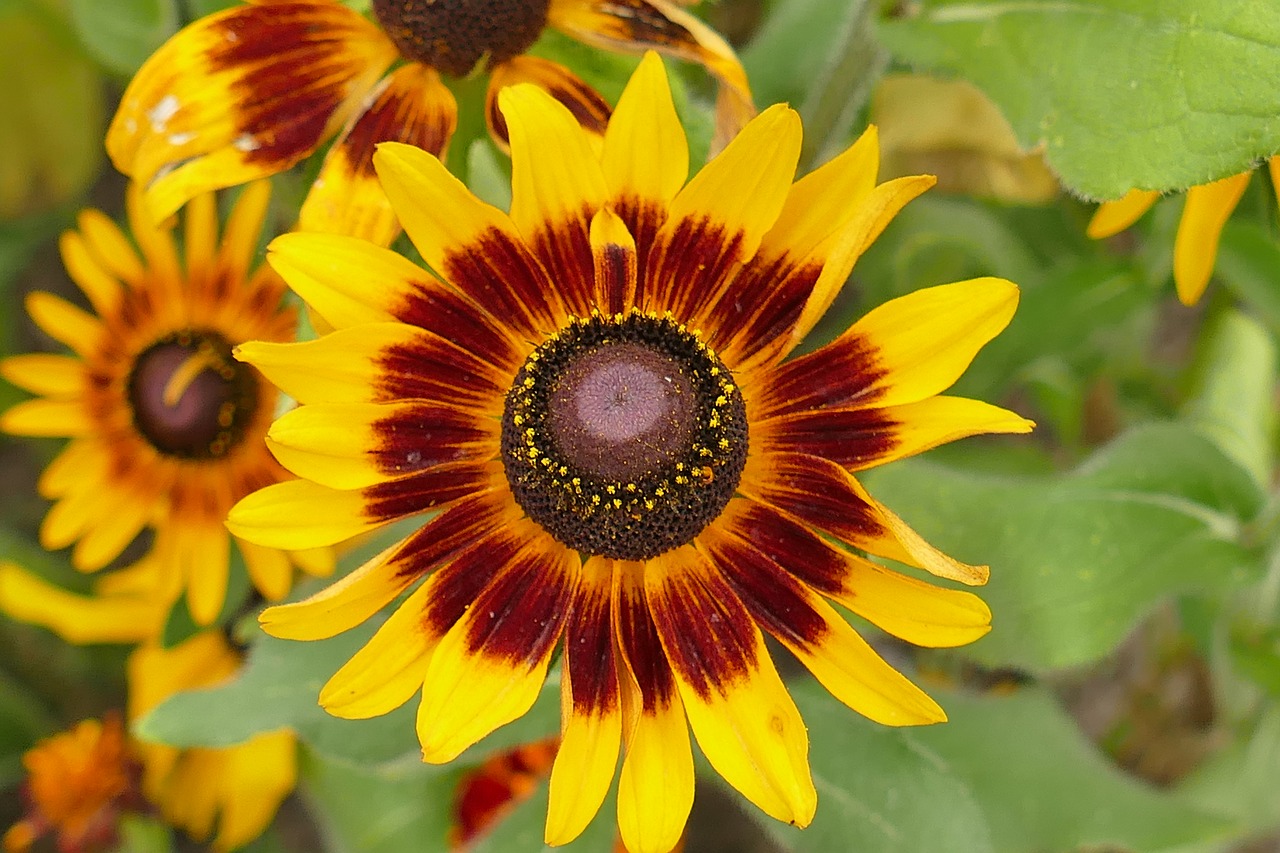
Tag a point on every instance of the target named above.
point(268, 568)
point(1112, 217)
point(590, 111)
point(97, 283)
point(646, 154)
point(907, 349)
point(490, 666)
point(243, 94)
point(39, 373)
point(77, 618)
point(739, 709)
point(412, 106)
point(64, 322)
point(42, 417)
point(473, 245)
point(591, 710)
point(655, 789)
point(613, 255)
point(1195, 249)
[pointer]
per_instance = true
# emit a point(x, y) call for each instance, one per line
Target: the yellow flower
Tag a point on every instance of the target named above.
point(595, 399)
point(78, 784)
point(166, 427)
point(1195, 249)
point(252, 90)
point(128, 606)
point(238, 787)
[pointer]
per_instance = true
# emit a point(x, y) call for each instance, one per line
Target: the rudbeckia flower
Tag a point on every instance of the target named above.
point(237, 788)
point(166, 426)
point(252, 90)
point(595, 399)
point(78, 785)
point(1195, 249)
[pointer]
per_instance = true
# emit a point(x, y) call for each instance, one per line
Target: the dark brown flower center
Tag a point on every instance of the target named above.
point(189, 397)
point(624, 436)
point(453, 36)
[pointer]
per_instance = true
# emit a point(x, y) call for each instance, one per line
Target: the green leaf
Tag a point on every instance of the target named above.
point(1240, 780)
point(1121, 93)
point(400, 808)
point(1043, 786)
point(140, 834)
point(1248, 258)
point(279, 687)
point(1233, 400)
point(879, 790)
point(123, 33)
point(1078, 559)
point(23, 721)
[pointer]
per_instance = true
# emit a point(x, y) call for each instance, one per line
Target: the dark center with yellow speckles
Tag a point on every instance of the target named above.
point(454, 35)
point(189, 397)
point(624, 436)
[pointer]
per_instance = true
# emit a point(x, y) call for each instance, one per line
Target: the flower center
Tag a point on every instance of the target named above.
point(624, 436)
point(453, 36)
point(189, 397)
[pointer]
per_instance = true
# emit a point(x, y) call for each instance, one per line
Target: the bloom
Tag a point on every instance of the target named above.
point(252, 90)
point(240, 787)
point(1195, 249)
point(595, 399)
point(78, 784)
point(166, 427)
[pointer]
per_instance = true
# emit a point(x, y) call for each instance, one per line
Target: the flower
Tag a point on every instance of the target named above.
point(240, 787)
point(79, 783)
point(252, 90)
point(595, 400)
point(1195, 249)
point(166, 427)
point(487, 792)
point(127, 606)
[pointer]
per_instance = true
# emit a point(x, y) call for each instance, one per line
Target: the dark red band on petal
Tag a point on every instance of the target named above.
point(588, 650)
point(459, 526)
point(843, 373)
point(691, 266)
point(586, 104)
point(427, 490)
point(643, 219)
point(638, 638)
point(458, 584)
point(817, 492)
point(519, 616)
point(504, 278)
point(455, 318)
point(760, 308)
point(640, 24)
point(422, 119)
point(777, 601)
point(853, 438)
point(565, 251)
point(432, 368)
point(425, 435)
point(708, 635)
point(789, 544)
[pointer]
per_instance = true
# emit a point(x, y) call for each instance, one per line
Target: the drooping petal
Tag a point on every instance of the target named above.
point(907, 349)
point(353, 445)
point(268, 568)
point(553, 198)
point(1195, 249)
point(488, 669)
point(77, 618)
point(473, 245)
point(354, 598)
point(864, 438)
point(589, 109)
point(243, 94)
point(591, 709)
point(722, 214)
point(258, 774)
point(411, 106)
point(378, 362)
point(1112, 217)
point(820, 493)
point(655, 789)
point(349, 282)
point(636, 25)
point(738, 708)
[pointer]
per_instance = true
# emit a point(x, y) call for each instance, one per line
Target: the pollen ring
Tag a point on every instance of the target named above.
point(623, 436)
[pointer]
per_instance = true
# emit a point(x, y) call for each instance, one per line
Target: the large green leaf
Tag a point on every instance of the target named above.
point(1044, 787)
point(123, 33)
point(1077, 559)
point(1157, 94)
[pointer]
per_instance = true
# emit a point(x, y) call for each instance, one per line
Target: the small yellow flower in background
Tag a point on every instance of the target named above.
point(1195, 249)
point(239, 788)
point(127, 606)
point(595, 400)
point(166, 426)
point(78, 785)
point(252, 90)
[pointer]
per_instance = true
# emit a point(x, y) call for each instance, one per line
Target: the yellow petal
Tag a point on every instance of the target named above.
point(77, 618)
point(1112, 217)
point(64, 322)
point(646, 154)
point(300, 514)
point(1195, 249)
point(42, 417)
point(55, 375)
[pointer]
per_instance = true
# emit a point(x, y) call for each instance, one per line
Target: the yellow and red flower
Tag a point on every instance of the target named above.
point(252, 90)
point(166, 427)
point(598, 399)
point(1195, 249)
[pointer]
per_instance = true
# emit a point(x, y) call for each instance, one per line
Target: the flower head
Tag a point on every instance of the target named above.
point(162, 418)
point(596, 399)
point(1195, 249)
point(79, 783)
point(252, 90)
